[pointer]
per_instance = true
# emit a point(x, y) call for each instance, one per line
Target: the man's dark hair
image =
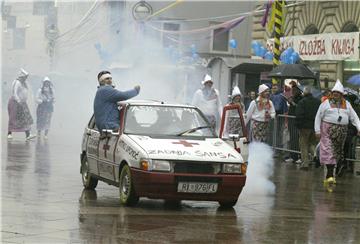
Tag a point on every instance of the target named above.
point(102, 73)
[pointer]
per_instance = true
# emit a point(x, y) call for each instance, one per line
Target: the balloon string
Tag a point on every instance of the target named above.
point(164, 9)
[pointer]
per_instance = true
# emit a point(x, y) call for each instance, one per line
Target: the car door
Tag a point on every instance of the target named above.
point(107, 149)
point(233, 130)
point(92, 146)
point(106, 162)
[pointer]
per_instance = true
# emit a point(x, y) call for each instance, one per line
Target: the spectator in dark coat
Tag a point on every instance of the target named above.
point(305, 112)
point(294, 134)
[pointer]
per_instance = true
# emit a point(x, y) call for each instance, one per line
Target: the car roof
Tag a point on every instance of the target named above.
point(153, 102)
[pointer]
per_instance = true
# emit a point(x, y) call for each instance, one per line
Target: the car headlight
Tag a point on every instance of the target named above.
point(160, 165)
point(232, 169)
point(155, 165)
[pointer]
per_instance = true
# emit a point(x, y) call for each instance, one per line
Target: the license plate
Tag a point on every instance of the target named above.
point(197, 187)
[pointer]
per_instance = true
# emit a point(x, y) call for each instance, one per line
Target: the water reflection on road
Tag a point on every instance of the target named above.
point(43, 201)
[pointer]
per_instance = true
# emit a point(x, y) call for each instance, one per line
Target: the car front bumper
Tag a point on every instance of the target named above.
point(164, 185)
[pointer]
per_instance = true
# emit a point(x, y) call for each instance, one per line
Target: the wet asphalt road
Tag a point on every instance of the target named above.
point(43, 201)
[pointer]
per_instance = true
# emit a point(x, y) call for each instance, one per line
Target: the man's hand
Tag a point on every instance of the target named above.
point(318, 136)
point(137, 88)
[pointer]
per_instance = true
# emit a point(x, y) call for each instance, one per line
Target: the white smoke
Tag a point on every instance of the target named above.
point(259, 171)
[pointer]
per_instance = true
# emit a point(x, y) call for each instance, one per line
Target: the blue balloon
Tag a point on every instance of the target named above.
point(193, 48)
point(296, 56)
point(269, 55)
point(262, 51)
point(97, 46)
point(233, 43)
point(285, 55)
point(291, 60)
point(290, 50)
point(254, 44)
point(256, 50)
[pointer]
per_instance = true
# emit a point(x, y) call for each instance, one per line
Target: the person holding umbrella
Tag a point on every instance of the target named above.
point(331, 125)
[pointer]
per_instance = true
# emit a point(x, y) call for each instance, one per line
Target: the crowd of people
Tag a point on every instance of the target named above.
point(20, 118)
point(329, 121)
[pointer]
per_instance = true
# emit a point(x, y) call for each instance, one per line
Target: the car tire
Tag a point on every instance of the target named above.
point(89, 182)
point(127, 193)
point(227, 204)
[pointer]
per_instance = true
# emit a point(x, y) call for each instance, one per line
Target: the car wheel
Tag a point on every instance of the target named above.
point(128, 196)
point(89, 181)
point(227, 204)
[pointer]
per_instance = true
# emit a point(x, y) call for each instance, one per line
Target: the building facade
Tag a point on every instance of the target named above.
point(332, 27)
point(60, 37)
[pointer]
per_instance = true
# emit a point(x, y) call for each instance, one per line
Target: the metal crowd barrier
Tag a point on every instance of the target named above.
point(283, 134)
point(286, 138)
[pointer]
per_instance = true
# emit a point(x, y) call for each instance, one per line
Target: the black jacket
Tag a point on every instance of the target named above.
point(306, 111)
point(293, 104)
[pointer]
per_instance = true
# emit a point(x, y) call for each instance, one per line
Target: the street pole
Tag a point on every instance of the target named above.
point(278, 31)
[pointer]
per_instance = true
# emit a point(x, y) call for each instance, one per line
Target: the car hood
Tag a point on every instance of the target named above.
point(210, 149)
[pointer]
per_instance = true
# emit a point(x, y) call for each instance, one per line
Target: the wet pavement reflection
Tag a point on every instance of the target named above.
point(43, 201)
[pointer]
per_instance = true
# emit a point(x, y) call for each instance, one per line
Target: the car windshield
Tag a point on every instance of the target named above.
point(166, 121)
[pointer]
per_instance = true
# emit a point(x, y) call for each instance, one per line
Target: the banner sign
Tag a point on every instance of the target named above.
point(328, 46)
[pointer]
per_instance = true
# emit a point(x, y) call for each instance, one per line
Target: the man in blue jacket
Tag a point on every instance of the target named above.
point(106, 110)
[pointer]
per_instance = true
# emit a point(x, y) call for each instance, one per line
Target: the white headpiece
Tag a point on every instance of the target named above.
point(263, 88)
point(46, 78)
point(23, 73)
point(236, 92)
point(338, 87)
point(103, 77)
point(206, 78)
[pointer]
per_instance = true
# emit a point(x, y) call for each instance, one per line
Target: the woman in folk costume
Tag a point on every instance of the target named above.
point(233, 123)
point(20, 119)
point(208, 101)
point(45, 101)
point(236, 97)
point(331, 124)
point(260, 112)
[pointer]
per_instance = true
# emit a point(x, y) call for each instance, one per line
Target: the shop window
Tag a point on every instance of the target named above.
point(19, 38)
point(311, 30)
point(220, 40)
point(351, 67)
point(168, 41)
point(350, 27)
